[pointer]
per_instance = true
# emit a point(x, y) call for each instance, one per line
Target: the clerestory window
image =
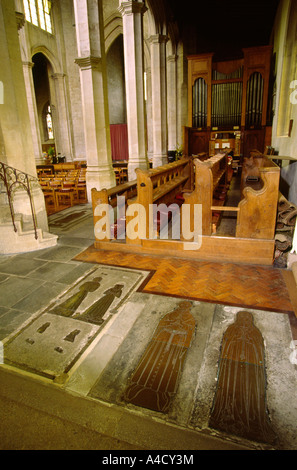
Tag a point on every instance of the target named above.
point(38, 12)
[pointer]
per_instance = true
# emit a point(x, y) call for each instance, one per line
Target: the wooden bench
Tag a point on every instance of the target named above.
point(210, 174)
point(110, 197)
point(160, 185)
point(154, 186)
point(257, 209)
point(256, 212)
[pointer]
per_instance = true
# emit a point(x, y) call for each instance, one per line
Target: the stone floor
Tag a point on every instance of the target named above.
point(73, 333)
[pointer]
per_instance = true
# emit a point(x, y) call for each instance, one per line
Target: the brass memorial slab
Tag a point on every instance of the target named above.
point(156, 378)
point(240, 401)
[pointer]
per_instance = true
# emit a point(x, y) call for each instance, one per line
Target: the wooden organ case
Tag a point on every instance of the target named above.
point(227, 103)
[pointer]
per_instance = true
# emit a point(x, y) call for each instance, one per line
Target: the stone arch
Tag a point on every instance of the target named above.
point(52, 59)
point(157, 23)
point(113, 27)
point(116, 81)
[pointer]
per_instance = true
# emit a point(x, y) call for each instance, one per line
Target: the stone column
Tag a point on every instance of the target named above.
point(172, 101)
point(159, 98)
point(150, 150)
point(29, 83)
point(30, 92)
point(92, 64)
point(62, 130)
point(132, 13)
point(17, 140)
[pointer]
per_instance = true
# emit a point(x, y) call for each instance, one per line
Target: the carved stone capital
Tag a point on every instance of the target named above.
point(20, 19)
point(58, 76)
point(172, 58)
point(158, 39)
point(132, 6)
point(28, 64)
point(89, 62)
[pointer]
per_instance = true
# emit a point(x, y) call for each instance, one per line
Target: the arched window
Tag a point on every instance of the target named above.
point(38, 12)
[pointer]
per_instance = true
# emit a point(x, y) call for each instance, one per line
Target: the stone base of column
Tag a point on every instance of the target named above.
point(21, 205)
point(159, 160)
point(99, 178)
point(132, 165)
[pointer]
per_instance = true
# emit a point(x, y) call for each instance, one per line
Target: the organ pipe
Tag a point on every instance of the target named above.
point(226, 104)
point(254, 101)
point(199, 103)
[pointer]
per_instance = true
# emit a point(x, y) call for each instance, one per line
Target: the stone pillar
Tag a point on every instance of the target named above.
point(172, 101)
point(159, 98)
point(17, 142)
point(29, 83)
point(132, 13)
point(62, 130)
point(92, 64)
point(30, 92)
point(150, 150)
point(14, 113)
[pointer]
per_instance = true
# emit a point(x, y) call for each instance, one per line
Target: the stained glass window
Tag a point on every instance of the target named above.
point(49, 123)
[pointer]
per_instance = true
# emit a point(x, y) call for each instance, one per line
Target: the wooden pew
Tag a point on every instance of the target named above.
point(256, 212)
point(160, 186)
point(109, 197)
point(209, 175)
point(254, 241)
point(257, 209)
point(250, 175)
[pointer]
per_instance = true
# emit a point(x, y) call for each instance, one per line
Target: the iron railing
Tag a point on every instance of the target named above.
point(14, 179)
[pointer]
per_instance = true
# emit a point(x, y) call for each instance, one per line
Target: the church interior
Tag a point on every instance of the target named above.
point(148, 203)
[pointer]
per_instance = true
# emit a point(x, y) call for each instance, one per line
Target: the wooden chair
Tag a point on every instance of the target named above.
point(49, 197)
point(66, 195)
point(117, 173)
point(82, 191)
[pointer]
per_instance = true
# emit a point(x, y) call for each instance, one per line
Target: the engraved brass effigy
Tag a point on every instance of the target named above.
point(94, 314)
point(71, 304)
point(156, 378)
point(240, 402)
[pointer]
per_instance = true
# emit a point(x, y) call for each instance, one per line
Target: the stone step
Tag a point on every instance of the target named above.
point(22, 241)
